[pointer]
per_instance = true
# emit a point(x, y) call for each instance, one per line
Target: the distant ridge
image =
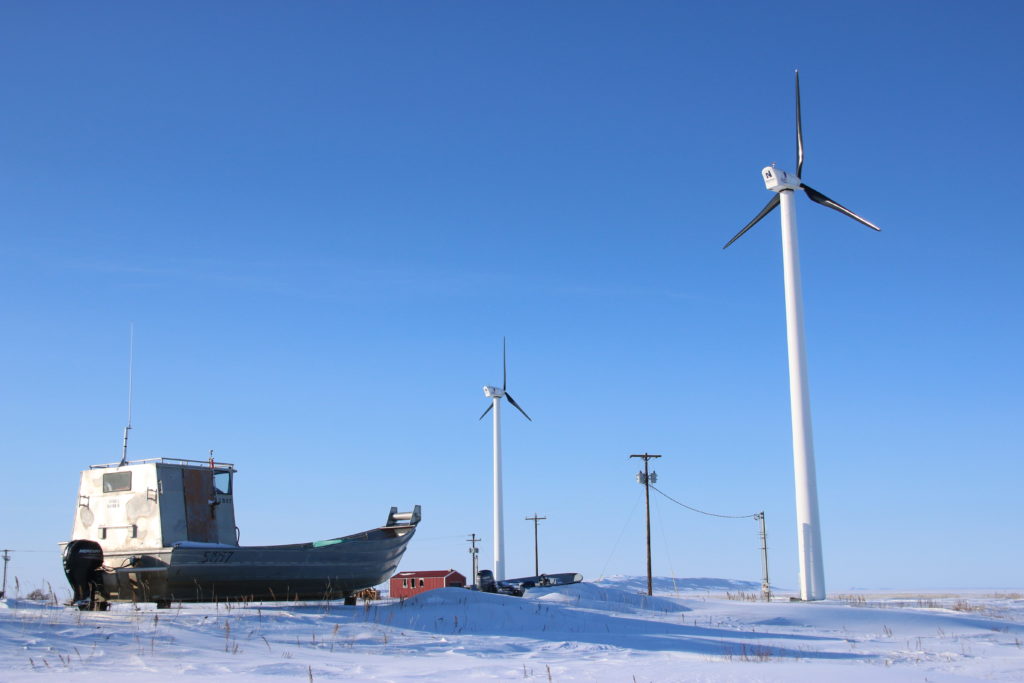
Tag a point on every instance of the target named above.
point(667, 585)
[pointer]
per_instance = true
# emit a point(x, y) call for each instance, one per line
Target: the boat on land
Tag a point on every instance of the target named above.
point(163, 530)
point(517, 587)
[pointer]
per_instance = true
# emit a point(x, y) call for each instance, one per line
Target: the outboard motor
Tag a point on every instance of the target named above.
point(485, 578)
point(82, 565)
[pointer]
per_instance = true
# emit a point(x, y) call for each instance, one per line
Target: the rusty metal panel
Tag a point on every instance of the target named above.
point(199, 519)
point(172, 505)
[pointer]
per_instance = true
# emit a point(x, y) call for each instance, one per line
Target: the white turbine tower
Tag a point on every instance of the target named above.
point(496, 394)
point(812, 572)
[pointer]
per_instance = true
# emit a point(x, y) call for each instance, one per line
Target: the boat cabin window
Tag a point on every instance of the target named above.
point(117, 481)
point(222, 482)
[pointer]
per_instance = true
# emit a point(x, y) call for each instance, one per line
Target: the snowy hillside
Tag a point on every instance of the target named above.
point(605, 631)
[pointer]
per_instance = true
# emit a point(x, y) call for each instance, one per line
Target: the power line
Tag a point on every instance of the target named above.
point(668, 547)
point(759, 516)
point(625, 525)
point(437, 538)
point(15, 550)
point(709, 514)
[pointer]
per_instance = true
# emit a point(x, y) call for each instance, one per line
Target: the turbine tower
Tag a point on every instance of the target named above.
point(496, 394)
point(783, 184)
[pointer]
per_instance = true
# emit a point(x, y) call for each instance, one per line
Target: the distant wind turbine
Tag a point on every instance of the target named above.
point(783, 184)
point(496, 394)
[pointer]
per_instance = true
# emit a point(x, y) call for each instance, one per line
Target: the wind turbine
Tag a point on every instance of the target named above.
point(496, 394)
point(783, 184)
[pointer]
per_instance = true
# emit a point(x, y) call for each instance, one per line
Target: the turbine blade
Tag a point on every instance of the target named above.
point(772, 203)
point(504, 365)
point(833, 204)
point(487, 411)
point(799, 131)
point(516, 406)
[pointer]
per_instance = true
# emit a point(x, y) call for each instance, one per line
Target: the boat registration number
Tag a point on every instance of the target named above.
point(214, 556)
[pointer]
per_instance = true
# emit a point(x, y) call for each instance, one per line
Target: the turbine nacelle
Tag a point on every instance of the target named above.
point(495, 392)
point(777, 180)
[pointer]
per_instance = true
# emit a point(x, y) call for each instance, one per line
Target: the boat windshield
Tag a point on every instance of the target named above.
point(222, 482)
point(117, 481)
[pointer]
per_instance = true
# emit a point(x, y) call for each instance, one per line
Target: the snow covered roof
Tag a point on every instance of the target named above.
point(425, 574)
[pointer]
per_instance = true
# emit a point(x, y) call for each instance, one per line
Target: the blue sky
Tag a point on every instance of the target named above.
point(322, 217)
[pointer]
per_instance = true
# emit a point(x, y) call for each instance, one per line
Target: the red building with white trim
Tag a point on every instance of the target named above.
point(407, 584)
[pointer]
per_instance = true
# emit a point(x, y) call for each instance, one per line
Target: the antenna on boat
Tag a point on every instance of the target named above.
point(131, 363)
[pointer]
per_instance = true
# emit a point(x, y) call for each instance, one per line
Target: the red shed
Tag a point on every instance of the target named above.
point(407, 584)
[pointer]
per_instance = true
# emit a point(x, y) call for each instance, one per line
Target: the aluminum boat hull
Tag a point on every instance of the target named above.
point(209, 572)
point(245, 573)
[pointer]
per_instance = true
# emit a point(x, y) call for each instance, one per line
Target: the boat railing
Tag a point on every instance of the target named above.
point(403, 519)
point(180, 462)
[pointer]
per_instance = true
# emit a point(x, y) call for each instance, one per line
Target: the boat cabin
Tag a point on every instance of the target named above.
point(156, 503)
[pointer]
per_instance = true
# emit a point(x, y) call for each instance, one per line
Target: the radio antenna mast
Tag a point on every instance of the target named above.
point(131, 363)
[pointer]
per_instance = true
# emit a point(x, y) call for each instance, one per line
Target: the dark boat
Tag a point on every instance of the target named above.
point(164, 531)
point(488, 584)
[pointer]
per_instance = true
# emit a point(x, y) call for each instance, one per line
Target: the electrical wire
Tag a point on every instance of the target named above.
point(15, 550)
point(619, 539)
point(709, 514)
point(439, 538)
point(668, 548)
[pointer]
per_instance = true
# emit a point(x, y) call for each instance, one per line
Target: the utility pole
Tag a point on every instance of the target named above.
point(7, 558)
point(536, 561)
point(647, 479)
point(474, 551)
point(766, 587)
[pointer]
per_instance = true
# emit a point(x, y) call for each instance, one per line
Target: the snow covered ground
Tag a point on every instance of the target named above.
point(691, 630)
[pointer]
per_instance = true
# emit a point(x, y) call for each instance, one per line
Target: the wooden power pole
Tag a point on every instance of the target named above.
point(766, 586)
point(647, 478)
point(7, 558)
point(474, 551)
point(536, 561)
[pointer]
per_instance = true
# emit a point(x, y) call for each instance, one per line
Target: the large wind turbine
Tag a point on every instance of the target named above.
point(496, 394)
point(783, 184)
